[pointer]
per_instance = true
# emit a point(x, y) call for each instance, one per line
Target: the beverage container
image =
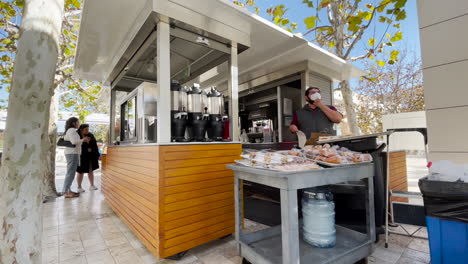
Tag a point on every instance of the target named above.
point(318, 211)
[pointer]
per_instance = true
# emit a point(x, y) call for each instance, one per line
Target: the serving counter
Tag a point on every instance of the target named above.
point(172, 196)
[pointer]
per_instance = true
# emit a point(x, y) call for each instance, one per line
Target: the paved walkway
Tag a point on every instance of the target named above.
point(85, 231)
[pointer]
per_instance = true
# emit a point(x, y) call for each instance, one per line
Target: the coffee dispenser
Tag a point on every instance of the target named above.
point(197, 113)
point(179, 116)
point(217, 114)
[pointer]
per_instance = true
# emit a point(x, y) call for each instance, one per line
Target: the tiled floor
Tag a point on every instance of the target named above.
point(85, 231)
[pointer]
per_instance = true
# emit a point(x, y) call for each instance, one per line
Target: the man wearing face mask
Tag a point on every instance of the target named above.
point(315, 116)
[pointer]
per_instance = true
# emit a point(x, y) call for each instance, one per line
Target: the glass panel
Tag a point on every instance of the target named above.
point(130, 118)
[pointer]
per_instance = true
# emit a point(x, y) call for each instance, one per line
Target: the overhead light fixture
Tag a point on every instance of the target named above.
point(202, 40)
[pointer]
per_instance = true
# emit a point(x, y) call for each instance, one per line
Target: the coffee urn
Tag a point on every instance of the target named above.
point(217, 115)
point(197, 114)
point(179, 116)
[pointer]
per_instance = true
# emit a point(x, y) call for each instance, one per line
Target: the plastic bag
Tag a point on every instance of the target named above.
point(445, 200)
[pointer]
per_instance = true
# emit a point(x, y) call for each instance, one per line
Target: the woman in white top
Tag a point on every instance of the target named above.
point(72, 154)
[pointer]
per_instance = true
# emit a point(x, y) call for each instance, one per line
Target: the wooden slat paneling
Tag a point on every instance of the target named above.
point(206, 214)
point(189, 212)
point(201, 154)
point(198, 177)
point(130, 184)
point(398, 174)
point(194, 170)
point(196, 242)
point(198, 201)
point(198, 185)
point(183, 196)
point(172, 164)
point(191, 228)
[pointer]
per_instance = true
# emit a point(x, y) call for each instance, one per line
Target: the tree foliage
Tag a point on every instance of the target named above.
point(80, 95)
point(391, 89)
point(340, 25)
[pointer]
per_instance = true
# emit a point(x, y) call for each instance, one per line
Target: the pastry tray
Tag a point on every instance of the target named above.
point(323, 163)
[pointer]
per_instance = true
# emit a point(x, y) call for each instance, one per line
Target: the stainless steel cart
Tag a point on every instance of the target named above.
point(283, 244)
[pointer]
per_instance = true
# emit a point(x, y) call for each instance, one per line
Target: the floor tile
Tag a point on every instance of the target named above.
point(76, 260)
point(215, 258)
point(70, 252)
point(417, 255)
point(388, 254)
point(100, 257)
point(404, 260)
point(375, 260)
point(419, 245)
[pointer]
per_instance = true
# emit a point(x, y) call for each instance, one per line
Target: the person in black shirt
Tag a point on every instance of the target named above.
point(89, 159)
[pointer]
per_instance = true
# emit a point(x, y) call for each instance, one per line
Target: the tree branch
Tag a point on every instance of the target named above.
point(73, 13)
point(316, 28)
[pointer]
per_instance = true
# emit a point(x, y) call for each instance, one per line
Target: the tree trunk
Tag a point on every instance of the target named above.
point(25, 140)
point(50, 191)
point(349, 106)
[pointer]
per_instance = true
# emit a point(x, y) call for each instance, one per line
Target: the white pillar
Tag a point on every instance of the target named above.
point(233, 86)
point(304, 84)
point(111, 138)
point(164, 81)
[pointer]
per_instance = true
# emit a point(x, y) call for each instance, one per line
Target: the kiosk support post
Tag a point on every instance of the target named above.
point(233, 86)
point(164, 81)
point(111, 138)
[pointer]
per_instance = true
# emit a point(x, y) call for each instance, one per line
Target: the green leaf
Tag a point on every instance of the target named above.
point(285, 22)
point(331, 44)
point(396, 25)
point(309, 3)
point(277, 20)
point(391, 62)
point(371, 41)
point(382, 19)
point(398, 36)
point(5, 58)
point(310, 22)
point(401, 15)
point(371, 57)
point(387, 35)
point(380, 63)
point(67, 51)
point(394, 55)
point(389, 44)
point(370, 7)
point(400, 3)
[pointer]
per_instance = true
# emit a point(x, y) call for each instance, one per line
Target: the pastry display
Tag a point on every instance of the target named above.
point(303, 159)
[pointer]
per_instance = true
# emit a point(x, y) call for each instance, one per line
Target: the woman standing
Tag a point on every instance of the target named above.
point(72, 154)
point(89, 159)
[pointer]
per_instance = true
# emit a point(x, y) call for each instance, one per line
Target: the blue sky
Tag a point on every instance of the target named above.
point(298, 11)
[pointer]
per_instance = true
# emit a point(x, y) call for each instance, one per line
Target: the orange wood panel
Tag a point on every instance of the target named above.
point(149, 164)
point(194, 170)
point(173, 197)
point(200, 209)
point(398, 174)
point(201, 154)
point(198, 185)
point(191, 228)
point(172, 224)
point(196, 242)
point(198, 177)
point(198, 201)
point(135, 155)
point(198, 233)
point(172, 164)
point(183, 196)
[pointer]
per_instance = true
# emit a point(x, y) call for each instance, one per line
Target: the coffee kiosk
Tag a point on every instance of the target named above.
point(173, 128)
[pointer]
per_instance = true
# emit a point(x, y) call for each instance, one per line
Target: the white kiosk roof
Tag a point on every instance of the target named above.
point(113, 30)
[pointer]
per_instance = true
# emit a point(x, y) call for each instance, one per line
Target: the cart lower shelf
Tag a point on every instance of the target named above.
point(265, 247)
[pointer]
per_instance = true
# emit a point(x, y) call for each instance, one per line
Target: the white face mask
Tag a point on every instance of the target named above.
point(315, 96)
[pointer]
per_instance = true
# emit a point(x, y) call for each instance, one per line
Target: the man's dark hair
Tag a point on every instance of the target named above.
point(310, 88)
point(70, 123)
